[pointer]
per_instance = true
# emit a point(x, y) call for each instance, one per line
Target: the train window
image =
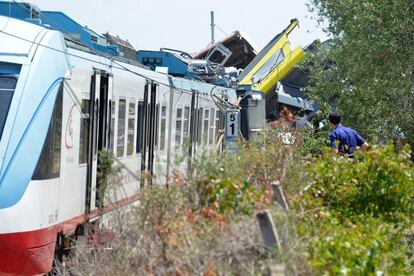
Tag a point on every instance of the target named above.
point(48, 165)
point(178, 128)
point(163, 126)
point(7, 86)
point(131, 128)
point(157, 118)
point(140, 123)
point(84, 132)
point(268, 66)
point(206, 126)
point(186, 125)
point(112, 127)
point(199, 125)
point(121, 128)
point(222, 119)
point(211, 134)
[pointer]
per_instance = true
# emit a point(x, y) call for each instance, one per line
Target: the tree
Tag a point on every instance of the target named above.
point(370, 75)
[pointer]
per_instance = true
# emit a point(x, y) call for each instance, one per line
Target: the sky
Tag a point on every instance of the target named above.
point(185, 24)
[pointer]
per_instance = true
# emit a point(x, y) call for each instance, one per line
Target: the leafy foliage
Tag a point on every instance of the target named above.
point(368, 247)
point(378, 183)
point(315, 141)
point(239, 183)
point(227, 196)
point(367, 68)
point(107, 170)
point(356, 212)
point(347, 216)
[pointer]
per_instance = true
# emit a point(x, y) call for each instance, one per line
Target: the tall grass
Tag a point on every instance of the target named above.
point(347, 216)
point(204, 223)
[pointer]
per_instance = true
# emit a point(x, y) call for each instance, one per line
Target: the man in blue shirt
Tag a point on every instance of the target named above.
point(349, 139)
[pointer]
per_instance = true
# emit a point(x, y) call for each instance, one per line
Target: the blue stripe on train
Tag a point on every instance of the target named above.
point(19, 171)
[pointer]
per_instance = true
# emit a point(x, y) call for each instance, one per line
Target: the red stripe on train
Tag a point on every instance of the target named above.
point(31, 253)
point(27, 253)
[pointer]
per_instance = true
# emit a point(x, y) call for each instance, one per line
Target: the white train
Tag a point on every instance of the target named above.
point(60, 105)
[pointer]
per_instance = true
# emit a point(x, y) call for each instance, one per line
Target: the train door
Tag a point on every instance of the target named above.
point(149, 133)
point(99, 130)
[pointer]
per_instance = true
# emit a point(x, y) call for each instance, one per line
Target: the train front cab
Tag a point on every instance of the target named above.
point(33, 65)
point(16, 245)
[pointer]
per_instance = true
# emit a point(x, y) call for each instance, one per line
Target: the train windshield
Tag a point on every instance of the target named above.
point(7, 86)
point(268, 66)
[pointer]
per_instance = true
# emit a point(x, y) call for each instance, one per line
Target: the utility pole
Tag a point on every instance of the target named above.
point(212, 27)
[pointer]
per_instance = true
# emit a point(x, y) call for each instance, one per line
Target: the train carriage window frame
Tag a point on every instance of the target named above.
point(113, 127)
point(178, 130)
point(200, 114)
point(186, 124)
point(121, 128)
point(212, 126)
point(157, 125)
point(140, 126)
point(83, 155)
point(206, 125)
point(7, 88)
point(131, 127)
point(163, 127)
point(49, 163)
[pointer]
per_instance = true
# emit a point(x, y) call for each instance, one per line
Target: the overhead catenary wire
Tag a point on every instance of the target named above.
point(218, 27)
point(94, 51)
point(113, 64)
point(72, 93)
point(111, 58)
point(121, 67)
point(117, 65)
point(108, 57)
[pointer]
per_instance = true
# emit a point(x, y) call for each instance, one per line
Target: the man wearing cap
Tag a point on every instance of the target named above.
point(349, 139)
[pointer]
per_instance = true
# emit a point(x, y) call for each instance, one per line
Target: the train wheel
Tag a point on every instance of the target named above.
point(65, 246)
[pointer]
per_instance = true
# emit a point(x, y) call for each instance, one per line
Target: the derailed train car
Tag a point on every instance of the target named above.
point(60, 104)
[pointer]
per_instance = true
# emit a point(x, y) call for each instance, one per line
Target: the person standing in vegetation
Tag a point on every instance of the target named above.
point(284, 126)
point(349, 139)
point(286, 119)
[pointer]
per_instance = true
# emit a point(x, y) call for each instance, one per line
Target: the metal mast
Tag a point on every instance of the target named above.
point(212, 27)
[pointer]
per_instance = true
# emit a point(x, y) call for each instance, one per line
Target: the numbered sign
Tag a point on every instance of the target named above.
point(232, 129)
point(232, 124)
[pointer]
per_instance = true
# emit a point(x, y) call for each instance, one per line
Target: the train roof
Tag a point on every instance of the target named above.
point(15, 30)
point(243, 49)
point(60, 21)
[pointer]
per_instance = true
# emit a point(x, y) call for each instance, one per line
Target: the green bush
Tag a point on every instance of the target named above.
point(355, 213)
point(220, 184)
point(378, 183)
point(367, 248)
point(228, 196)
point(314, 142)
point(239, 182)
